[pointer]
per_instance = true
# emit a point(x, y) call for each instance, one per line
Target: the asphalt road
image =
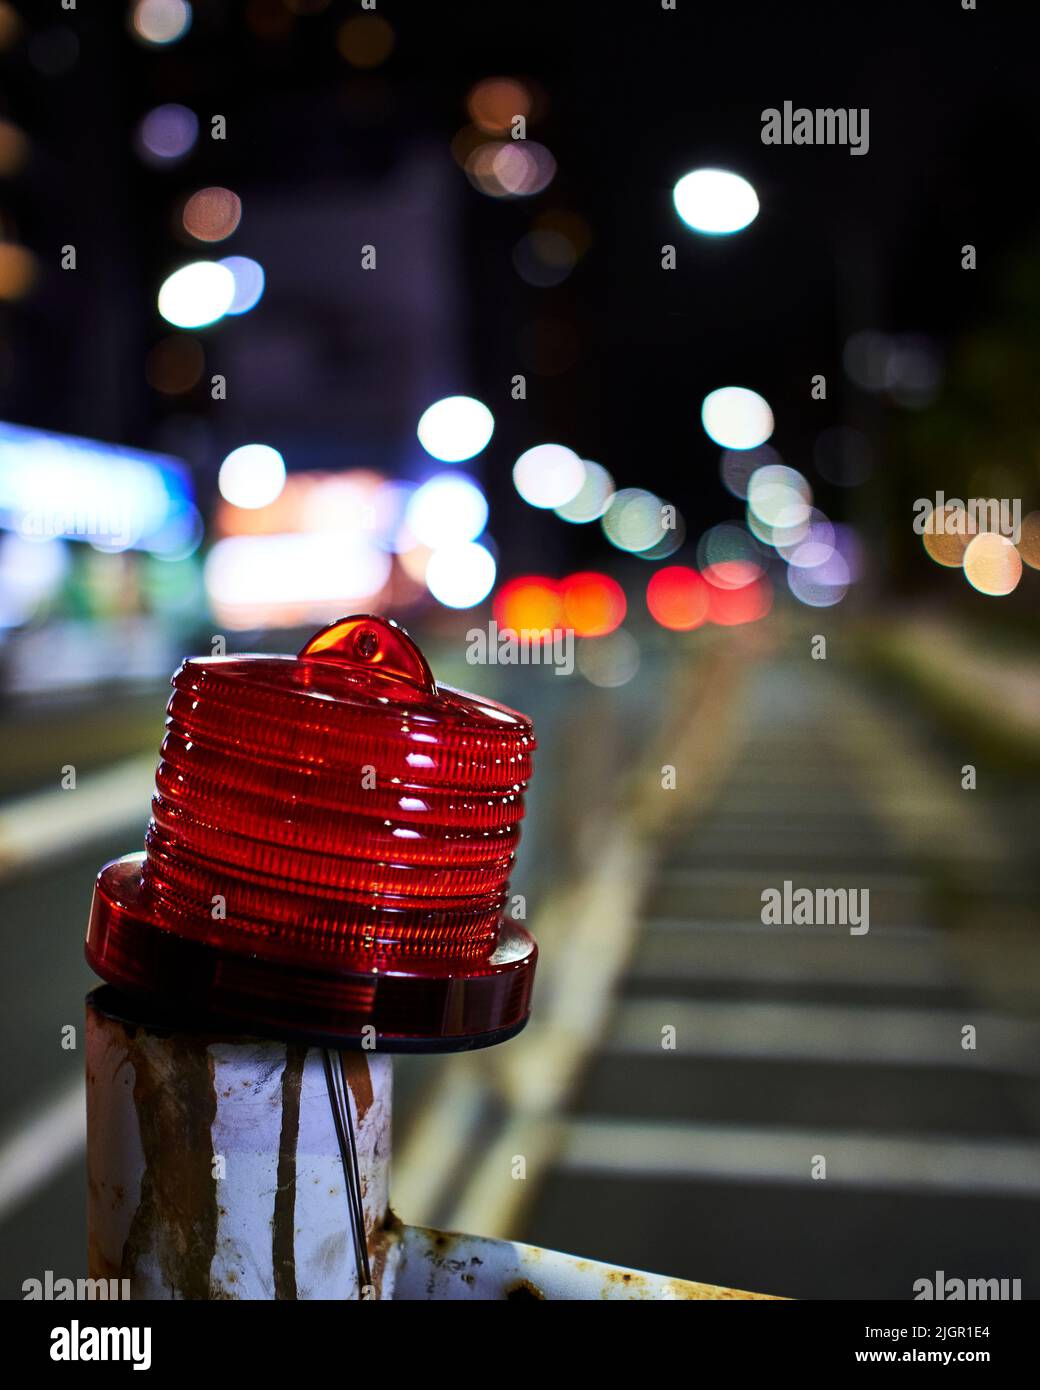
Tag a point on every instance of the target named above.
point(790, 1042)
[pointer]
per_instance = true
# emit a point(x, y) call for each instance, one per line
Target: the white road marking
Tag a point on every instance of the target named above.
point(36, 827)
point(695, 1152)
point(41, 1146)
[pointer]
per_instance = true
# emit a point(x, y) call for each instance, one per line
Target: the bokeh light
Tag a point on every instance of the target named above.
point(159, 22)
point(729, 556)
point(549, 475)
point(678, 598)
point(510, 168)
point(634, 520)
point(11, 27)
point(593, 604)
point(494, 103)
point(737, 465)
point(197, 294)
point(167, 133)
point(715, 201)
point(175, 364)
point(460, 576)
point(14, 149)
point(18, 271)
point(823, 585)
point(212, 214)
point(249, 280)
point(779, 505)
point(251, 476)
point(529, 603)
point(992, 565)
point(946, 535)
point(815, 545)
point(255, 581)
point(736, 417)
point(365, 41)
point(455, 428)
point(448, 509)
point(544, 258)
point(592, 498)
point(732, 607)
point(30, 574)
point(181, 536)
point(671, 536)
point(905, 366)
point(1029, 543)
point(609, 661)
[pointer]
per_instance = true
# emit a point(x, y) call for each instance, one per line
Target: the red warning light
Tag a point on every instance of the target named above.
point(330, 846)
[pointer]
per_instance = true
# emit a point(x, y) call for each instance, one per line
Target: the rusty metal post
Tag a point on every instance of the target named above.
point(214, 1169)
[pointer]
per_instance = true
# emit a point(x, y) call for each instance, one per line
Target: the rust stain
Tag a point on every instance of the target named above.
point(176, 1218)
point(283, 1223)
point(359, 1080)
point(523, 1290)
point(380, 1243)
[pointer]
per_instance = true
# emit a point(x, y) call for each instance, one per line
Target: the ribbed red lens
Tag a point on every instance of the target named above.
point(336, 814)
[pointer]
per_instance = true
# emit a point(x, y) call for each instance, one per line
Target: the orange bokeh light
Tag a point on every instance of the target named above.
point(678, 598)
point(530, 602)
point(593, 604)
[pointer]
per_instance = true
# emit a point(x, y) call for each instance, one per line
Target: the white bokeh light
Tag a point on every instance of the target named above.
point(160, 22)
point(549, 475)
point(255, 580)
point(460, 576)
point(715, 202)
point(197, 294)
point(593, 497)
point(736, 418)
point(249, 281)
point(455, 428)
point(252, 476)
point(447, 510)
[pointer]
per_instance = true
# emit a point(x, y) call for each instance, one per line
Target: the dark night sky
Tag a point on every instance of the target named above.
point(636, 97)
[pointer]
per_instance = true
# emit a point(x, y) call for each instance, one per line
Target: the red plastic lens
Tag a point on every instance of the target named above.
point(330, 846)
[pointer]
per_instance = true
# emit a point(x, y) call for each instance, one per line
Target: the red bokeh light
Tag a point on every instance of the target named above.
point(678, 598)
point(731, 607)
point(732, 574)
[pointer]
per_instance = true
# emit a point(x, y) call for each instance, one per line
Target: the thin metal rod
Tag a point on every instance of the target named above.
point(343, 1121)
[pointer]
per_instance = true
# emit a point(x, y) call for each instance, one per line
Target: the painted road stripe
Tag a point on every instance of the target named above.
point(43, 824)
point(737, 1153)
point(826, 1033)
point(41, 1146)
